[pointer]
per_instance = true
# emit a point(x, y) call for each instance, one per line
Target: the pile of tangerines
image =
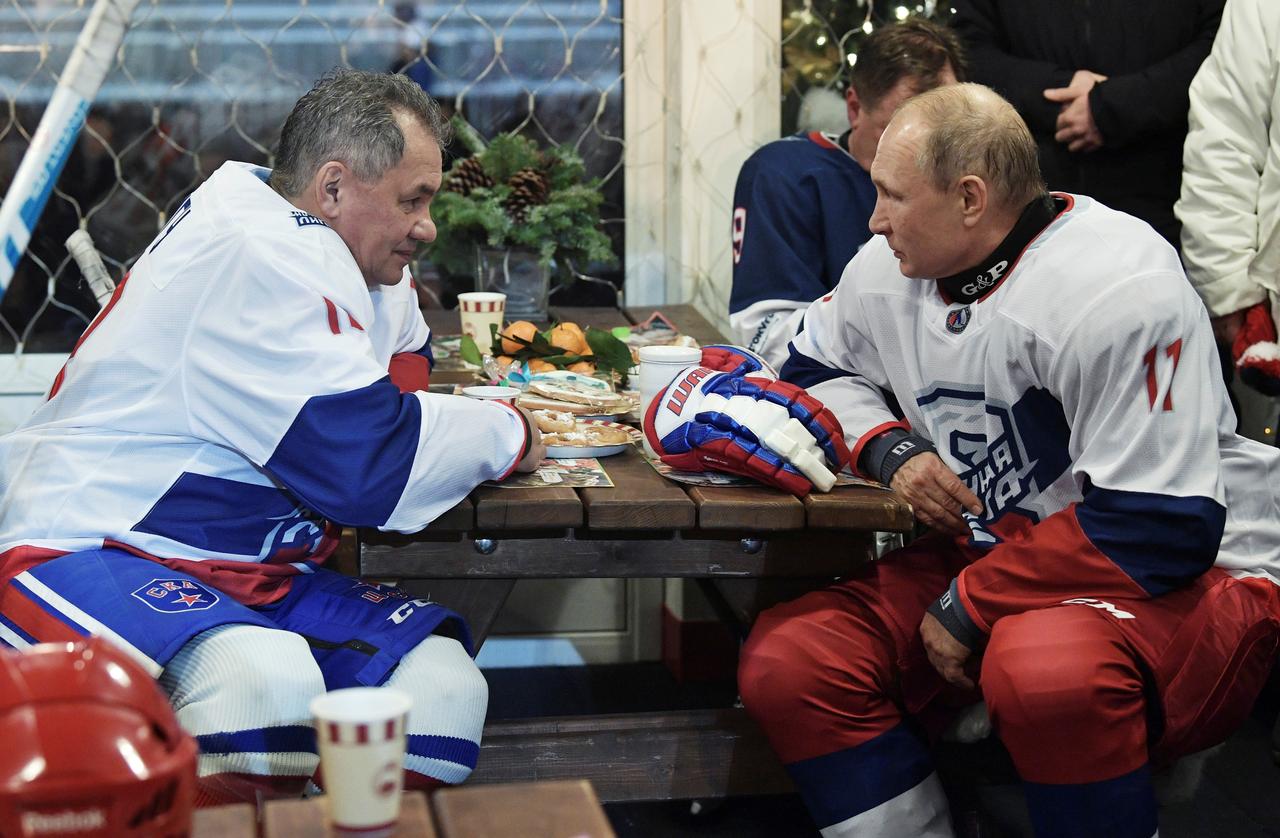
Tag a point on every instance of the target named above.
point(518, 338)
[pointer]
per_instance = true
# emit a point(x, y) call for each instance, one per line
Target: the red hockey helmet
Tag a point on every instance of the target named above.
point(89, 746)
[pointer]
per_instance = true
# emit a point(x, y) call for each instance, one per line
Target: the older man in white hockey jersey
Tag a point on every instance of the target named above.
point(256, 382)
point(1033, 372)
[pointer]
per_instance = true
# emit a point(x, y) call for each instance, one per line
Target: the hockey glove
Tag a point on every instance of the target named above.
point(706, 420)
point(736, 360)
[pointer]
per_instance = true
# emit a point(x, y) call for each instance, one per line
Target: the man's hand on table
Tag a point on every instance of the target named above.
point(935, 493)
point(537, 450)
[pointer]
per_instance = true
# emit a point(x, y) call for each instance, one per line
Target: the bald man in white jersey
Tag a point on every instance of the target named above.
point(1034, 374)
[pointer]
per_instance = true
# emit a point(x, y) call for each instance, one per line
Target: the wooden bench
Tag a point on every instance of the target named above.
point(530, 810)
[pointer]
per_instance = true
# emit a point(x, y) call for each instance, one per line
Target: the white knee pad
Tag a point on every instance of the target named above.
point(244, 692)
point(450, 698)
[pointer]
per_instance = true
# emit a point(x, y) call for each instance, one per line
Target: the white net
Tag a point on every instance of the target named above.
point(198, 82)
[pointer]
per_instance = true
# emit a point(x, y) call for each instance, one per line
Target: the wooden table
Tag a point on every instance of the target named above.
point(731, 538)
point(557, 809)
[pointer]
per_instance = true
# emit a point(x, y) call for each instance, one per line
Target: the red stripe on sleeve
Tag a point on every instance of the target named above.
point(333, 316)
point(111, 303)
point(528, 439)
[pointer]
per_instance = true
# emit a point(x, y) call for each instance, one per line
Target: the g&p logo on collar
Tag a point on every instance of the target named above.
point(176, 596)
point(958, 319)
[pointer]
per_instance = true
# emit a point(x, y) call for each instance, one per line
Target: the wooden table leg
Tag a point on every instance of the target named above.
point(478, 601)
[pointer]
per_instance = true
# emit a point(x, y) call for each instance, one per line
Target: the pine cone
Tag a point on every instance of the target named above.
point(466, 174)
point(529, 188)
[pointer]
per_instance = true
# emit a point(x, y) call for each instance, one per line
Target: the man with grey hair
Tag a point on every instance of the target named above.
point(1034, 374)
point(257, 383)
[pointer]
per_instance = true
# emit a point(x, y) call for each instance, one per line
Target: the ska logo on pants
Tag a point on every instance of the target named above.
point(176, 596)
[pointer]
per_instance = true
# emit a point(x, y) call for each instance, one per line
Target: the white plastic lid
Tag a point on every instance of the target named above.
point(670, 354)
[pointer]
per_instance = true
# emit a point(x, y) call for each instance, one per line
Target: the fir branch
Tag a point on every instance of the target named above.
point(566, 228)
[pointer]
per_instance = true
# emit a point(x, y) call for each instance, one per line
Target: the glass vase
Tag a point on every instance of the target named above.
point(519, 275)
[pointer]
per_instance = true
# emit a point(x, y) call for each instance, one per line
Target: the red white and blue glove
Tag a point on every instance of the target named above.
point(736, 360)
point(775, 432)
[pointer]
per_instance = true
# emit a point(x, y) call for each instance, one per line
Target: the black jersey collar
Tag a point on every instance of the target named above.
point(980, 280)
point(843, 142)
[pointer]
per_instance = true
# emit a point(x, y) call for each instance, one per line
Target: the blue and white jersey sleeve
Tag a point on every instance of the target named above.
point(835, 358)
point(289, 378)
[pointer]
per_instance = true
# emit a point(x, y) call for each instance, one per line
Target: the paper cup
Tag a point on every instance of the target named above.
point(361, 734)
point(658, 365)
point(492, 393)
point(479, 311)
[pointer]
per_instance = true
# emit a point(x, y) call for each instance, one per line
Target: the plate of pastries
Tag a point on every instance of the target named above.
point(569, 436)
point(581, 398)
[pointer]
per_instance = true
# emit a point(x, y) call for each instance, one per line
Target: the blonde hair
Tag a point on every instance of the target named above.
point(973, 131)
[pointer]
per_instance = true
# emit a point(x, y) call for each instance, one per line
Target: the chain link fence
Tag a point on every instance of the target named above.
point(199, 82)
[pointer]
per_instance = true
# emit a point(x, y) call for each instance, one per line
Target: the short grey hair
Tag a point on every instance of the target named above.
point(973, 131)
point(350, 116)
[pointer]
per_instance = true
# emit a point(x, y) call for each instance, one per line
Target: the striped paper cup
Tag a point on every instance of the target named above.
point(361, 734)
point(479, 310)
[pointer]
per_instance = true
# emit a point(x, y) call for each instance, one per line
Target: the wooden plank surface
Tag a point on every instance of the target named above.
point(309, 818)
point(584, 316)
point(237, 820)
point(641, 499)
point(861, 507)
point(746, 508)
point(692, 554)
point(443, 321)
point(523, 509)
point(636, 756)
point(459, 518)
point(550, 809)
point(686, 317)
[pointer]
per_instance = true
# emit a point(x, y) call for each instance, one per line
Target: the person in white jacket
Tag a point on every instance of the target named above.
point(1230, 201)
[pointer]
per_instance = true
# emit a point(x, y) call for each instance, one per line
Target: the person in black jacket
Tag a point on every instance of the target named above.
point(1103, 86)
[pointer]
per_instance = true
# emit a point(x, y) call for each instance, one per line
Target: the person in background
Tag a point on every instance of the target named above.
point(1230, 204)
point(257, 383)
point(801, 204)
point(411, 47)
point(1103, 87)
point(1102, 570)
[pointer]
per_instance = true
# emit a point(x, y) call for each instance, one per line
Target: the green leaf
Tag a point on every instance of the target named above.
point(621, 332)
point(469, 351)
point(611, 353)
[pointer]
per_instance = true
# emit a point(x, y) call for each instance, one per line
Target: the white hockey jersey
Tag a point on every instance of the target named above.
point(1080, 399)
point(232, 401)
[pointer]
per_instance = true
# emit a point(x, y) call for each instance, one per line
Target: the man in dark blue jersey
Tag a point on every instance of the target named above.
point(802, 203)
